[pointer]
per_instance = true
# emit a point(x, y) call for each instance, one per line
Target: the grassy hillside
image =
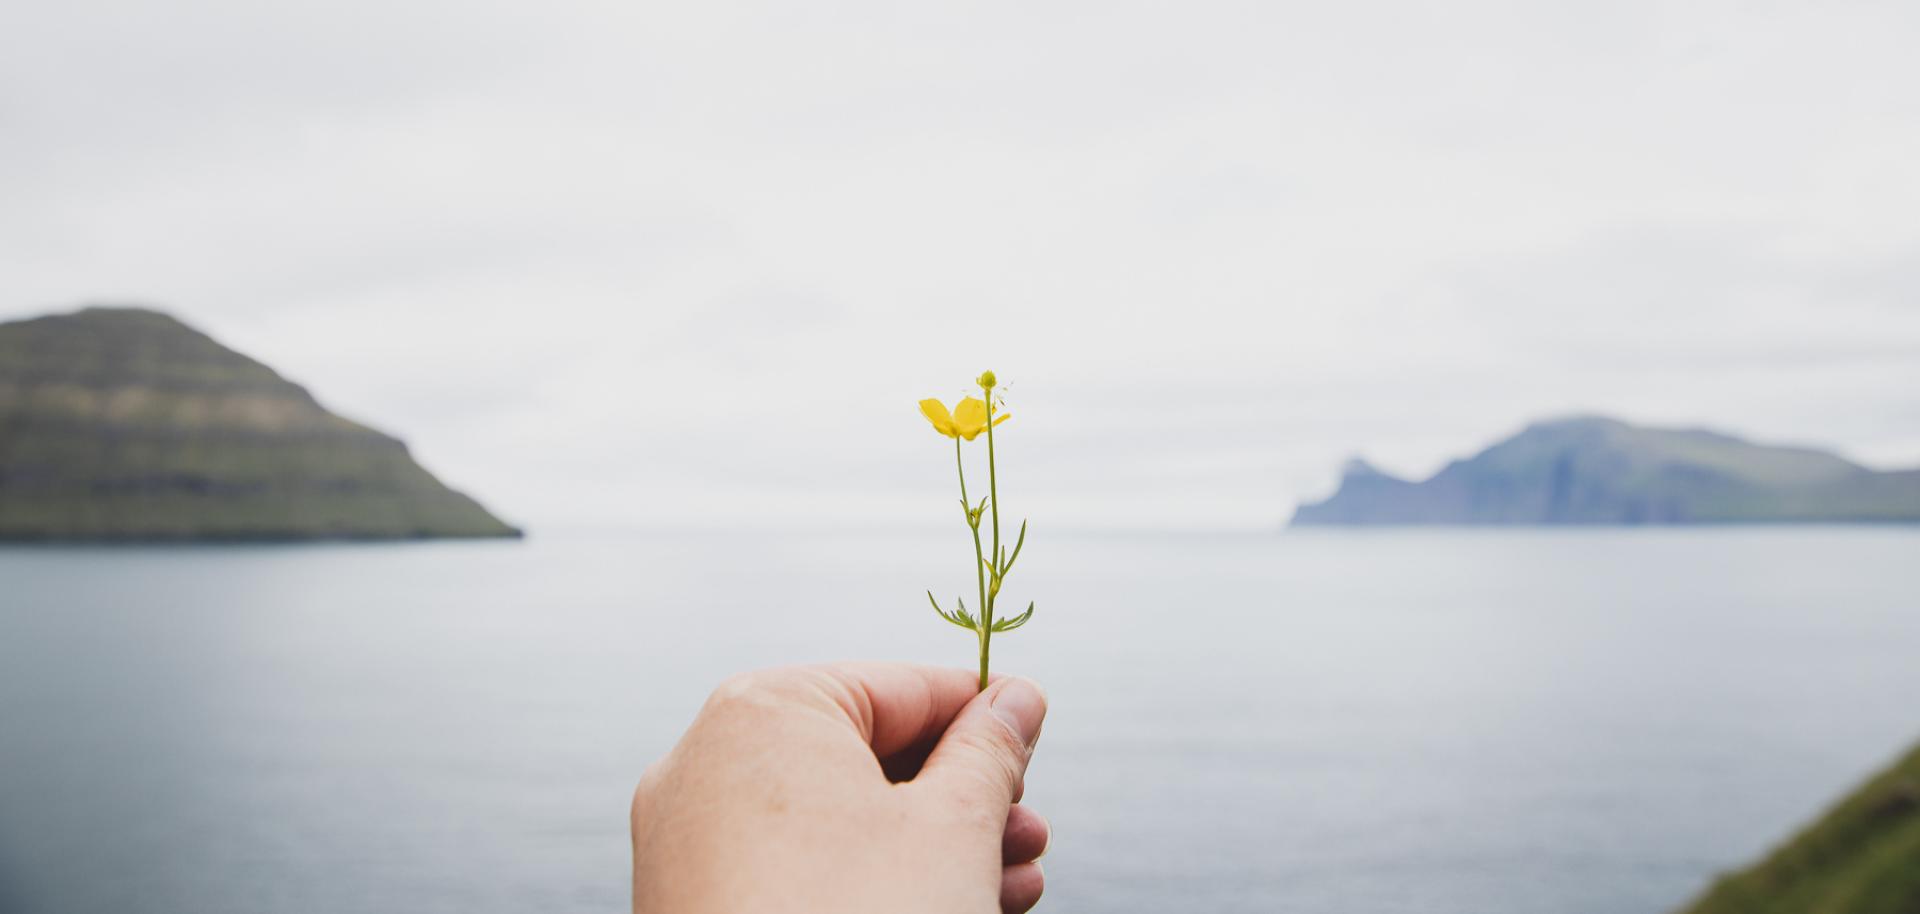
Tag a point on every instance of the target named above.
point(1862, 857)
point(127, 424)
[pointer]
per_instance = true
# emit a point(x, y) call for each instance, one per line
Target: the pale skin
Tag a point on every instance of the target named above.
point(845, 789)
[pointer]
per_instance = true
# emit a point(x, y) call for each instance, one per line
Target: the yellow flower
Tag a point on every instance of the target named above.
point(986, 380)
point(967, 420)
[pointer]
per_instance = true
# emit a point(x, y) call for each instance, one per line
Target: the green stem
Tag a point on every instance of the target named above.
point(986, 640)
point(979, 572)
point(993, 480)
point(993, 500)
point(961, 468)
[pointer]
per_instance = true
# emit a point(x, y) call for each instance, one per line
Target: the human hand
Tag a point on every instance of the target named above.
point(845, 789)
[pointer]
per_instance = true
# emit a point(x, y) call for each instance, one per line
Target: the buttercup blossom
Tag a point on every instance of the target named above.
point(968, 419)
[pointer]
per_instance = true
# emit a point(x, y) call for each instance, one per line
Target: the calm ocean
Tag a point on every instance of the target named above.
point(1443, 722)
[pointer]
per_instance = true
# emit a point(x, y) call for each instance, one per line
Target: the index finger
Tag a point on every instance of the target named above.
point(897, 706)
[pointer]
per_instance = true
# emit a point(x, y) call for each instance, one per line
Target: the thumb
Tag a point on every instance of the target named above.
point(981, 760)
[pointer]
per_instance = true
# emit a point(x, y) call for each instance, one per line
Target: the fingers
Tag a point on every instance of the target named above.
point(1026, 837)
point(897, 706)
point(981, 761)
point(891, 707)
point(1020, 887)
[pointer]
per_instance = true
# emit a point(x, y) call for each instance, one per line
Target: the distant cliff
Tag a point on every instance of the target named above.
point(1590, 470)
point(1861, 857)
point(119, 423)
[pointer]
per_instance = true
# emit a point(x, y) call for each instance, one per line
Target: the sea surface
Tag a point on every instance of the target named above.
point(1443, 722)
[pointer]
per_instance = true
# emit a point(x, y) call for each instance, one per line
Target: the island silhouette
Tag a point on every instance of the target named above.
point(126, 424)
point(1599, 470)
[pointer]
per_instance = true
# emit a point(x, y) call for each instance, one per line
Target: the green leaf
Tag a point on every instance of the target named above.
point(1007, 625)
point(951, 617)
point(1021, 541)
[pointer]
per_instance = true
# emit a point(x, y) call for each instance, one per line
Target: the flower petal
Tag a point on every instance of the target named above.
point(936, 413)
point(970, 417)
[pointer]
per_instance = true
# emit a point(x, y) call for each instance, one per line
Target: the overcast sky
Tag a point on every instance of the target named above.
point(648, 263)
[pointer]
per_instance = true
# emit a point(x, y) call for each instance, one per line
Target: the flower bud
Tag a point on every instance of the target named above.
point(985, 380)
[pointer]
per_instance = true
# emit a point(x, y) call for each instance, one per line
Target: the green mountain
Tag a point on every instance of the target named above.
point(121, 423)
point(1862, 857)
point(1590, 470)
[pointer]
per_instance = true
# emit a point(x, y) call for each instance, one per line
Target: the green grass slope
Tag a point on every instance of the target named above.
point(120, 423)
point(1862, 857)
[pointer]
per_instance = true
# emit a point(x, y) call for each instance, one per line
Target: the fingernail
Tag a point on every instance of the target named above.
point(1021, 705)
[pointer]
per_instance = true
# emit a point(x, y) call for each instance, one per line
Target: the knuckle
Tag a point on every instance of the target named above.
point(743, 691)
point(755, 693)
point(640, 812)
point(739, 685)
point(649, 781)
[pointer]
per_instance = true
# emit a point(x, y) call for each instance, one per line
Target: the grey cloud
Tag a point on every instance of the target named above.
point(604, 261)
